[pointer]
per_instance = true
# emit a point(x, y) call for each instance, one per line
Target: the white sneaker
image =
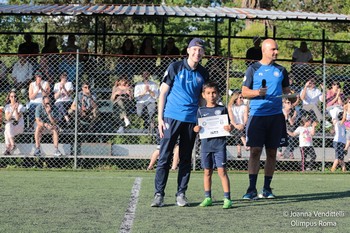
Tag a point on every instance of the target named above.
point(120, 130)
point(57, 153)
point(328, 125)
point(127, 122)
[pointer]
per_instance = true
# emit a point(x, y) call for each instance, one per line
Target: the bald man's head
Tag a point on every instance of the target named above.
point(269, 50)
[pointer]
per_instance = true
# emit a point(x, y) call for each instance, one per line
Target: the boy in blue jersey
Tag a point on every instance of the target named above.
point(177, 115)
point(213, 150)
point(264, 83)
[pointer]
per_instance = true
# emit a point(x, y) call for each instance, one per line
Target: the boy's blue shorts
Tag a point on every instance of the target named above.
point(270, 131)
point(211, 160)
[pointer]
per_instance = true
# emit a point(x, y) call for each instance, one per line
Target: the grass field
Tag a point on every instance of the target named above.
point(98, 201)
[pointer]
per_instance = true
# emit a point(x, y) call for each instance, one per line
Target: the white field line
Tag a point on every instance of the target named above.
point(129, 215)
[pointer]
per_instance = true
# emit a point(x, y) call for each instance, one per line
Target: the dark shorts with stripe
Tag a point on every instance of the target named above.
point(268, 131)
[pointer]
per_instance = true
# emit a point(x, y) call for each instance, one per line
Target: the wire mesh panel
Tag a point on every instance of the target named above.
point(101, 111)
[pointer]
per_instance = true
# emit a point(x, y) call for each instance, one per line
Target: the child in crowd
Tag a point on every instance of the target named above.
point(213, 150)
point(306, 131)
point(339, 143)
point(346, 122)
point(238, 113)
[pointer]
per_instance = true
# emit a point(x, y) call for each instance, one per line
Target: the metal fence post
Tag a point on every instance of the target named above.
point(76, 110)
point(324, 92)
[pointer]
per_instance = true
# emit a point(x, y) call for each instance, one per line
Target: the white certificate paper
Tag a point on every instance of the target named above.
point(213, 126)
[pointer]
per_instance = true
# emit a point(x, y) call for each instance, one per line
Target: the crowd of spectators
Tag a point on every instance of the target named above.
point(53, 77)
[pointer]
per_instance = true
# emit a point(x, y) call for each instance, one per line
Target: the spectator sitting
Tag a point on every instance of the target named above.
point(14, 121)
point(238, 113)
point(301, 56)
point(22, 72)
point(45, 123)
point(70, 46)
point(146, 92)
point(121, 97)
point(87, 107)
point(50, 58)
point(37, 90)
point(311, 97)
point(254, 54)
point(125, 66)
point(51, 46)
point(334, 97)
point(127, 48)
point(169, 49)
point(29, 47)
point(148, 49)
point(63, 91)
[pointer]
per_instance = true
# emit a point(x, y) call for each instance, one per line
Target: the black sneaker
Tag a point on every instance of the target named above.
point(7, 152)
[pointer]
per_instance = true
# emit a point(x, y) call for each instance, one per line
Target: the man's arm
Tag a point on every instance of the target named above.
point(164, 89)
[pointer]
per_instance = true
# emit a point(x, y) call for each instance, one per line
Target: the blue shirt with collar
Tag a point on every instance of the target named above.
point(185, 89)
point(276, 77)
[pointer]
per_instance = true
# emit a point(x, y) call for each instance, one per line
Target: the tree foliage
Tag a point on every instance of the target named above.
point(184, 28)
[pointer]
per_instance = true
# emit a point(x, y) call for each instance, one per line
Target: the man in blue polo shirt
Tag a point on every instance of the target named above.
point(177, 115)
point(263, 84)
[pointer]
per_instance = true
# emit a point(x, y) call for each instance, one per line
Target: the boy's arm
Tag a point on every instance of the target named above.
point(197, 128)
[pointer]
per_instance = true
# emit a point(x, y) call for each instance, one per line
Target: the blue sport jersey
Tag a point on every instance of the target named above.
point(185, 89)
point(212, 144)
point(276, 77)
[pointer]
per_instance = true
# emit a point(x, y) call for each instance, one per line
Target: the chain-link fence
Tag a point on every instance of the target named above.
point(103, 110)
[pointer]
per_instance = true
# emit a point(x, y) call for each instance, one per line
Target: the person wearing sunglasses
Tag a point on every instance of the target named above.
point(14, 121)
point(85, 101)
point(45, 123)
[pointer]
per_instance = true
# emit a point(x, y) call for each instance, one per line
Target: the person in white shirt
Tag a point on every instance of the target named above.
point(306, 132)
point(339, 142)
point(146, 92)
point(37, 90)
point(14, 121)
point(300, 67)
point(302, 54)
point(311, 97)
point(238, 113)
point(22, 72)
point(62, 93)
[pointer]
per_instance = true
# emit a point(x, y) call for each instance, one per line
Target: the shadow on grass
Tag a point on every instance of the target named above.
point(285, 199)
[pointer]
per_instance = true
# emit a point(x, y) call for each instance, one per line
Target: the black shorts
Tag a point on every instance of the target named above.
point(268, 131)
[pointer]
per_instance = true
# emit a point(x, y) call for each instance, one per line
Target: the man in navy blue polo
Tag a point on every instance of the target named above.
point(264, 83)
point(177, 115)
